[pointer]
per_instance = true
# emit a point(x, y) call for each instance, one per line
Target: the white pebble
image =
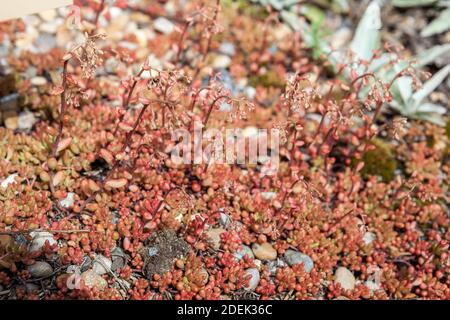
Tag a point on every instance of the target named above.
point(39, 238)
point(101, 265)
point(68, 201)
point(164, 25)
point(10, 180)
point(345, 278)
point(254, 276)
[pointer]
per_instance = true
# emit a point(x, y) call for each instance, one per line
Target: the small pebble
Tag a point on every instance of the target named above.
point(12, 123)
point(142, 38)
point(164, 25)
point(40, 269)
point(119, 259)
point(39, 238)
point(49, 27)
point(372, 285)
point(345, 278)
point(26, 120)
point(101, 265)
point(221, 62)
point(9, 180)
point(250, 92)
point(274, 265)
point(68, 201)
point(31, 20)
point(294, 257)
point(264, 251)
point(38, 81)
point(48, 15)
point(214, 238)
point(152, 251)
point(268, 195)
point(30, 73)
point(224, 220)
point(239, 255)
point(92, 279)
point(227, 48)
point(369, 237)
point(258, 264)
point(254, 276)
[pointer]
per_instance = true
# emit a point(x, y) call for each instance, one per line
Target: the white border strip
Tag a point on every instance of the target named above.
point(10, 9)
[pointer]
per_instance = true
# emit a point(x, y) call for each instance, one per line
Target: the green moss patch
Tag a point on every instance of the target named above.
point(380, 161)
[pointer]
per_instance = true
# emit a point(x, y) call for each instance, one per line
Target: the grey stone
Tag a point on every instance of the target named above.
point(119, 259)
point(101, 264)
point(26, 120)
point(369, 237)
point(39, 238)
point(40, 269)
point(214, 237)
point(293, 257)
point(245, 250)
point(227, 48)
point(224, 220)
point(254, 278)
point(274, 265)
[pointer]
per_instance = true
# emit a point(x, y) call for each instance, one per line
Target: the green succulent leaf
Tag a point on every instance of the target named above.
point(262, 2)
point(312, 13)
point(382, 61)
point(429, 86)
point(293, 21)
point(404, 86)
point(438, 25)
point(277, 4)
point(367, 35)
point(430, 55)
point(428, 107)
point(430, 117)
point(340, 6)
point(412, 3)
point(288, 3)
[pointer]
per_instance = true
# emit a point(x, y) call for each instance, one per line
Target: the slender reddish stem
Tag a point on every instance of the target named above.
point(211, 107)
point(62, 111)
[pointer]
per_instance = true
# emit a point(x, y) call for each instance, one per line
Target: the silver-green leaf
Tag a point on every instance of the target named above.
point(429, 86)
point(412, 3)
point(367, 35)
point(438, 25)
